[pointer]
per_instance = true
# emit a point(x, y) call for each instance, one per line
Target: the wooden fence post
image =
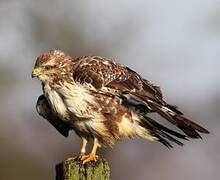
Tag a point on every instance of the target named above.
point(75, 170)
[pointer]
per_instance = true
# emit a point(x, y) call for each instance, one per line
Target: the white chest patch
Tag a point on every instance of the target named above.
point(56, 102)
point(71, 100)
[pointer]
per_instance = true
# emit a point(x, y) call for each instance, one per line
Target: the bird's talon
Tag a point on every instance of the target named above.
point(88, 158)
point(83, 157)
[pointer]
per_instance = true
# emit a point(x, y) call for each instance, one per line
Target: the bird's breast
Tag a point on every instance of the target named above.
point(56, 102)
point(71, 101)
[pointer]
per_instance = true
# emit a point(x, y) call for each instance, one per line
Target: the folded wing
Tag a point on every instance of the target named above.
point(118, 80)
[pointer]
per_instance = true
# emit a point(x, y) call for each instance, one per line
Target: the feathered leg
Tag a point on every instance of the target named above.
point(92, 156)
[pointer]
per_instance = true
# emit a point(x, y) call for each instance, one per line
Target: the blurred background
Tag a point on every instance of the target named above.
point(175, 44)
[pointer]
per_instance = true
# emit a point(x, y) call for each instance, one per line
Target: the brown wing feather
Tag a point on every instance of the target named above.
point(97, 71)
point(101, 72)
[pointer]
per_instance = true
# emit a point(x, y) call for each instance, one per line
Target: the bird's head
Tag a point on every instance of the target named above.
point(51, 64)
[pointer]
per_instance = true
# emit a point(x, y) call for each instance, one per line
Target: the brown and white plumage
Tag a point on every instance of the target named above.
point(104, 100)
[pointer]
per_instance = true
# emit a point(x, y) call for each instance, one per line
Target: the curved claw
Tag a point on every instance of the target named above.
point(88, 158)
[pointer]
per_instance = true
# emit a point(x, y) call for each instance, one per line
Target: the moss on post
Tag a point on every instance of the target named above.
point(75, 170)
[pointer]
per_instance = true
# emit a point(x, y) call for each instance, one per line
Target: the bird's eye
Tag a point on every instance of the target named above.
point(48, 67)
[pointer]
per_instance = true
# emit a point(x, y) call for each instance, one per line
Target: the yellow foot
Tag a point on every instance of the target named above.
point(88, 158)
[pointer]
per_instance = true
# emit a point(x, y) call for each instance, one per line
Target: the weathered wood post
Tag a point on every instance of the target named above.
point(75, 170)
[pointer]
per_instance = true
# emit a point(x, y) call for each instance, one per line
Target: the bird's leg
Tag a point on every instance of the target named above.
point(83, 148)
point(82, 151)
point(92, 156)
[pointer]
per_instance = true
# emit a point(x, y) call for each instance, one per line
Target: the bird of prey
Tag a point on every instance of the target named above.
point(105, 101)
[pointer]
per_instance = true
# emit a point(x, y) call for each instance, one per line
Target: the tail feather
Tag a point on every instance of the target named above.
point(164, 141)
point(161, 133)
point(165, 129)
point(170, 113)
point(187, 126)
point(172, 139)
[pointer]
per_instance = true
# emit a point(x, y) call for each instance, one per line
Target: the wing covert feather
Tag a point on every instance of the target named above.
point(101, 72)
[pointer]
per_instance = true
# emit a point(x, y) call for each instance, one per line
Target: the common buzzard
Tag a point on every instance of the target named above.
point(105, 101)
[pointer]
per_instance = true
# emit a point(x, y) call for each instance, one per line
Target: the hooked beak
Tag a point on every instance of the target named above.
point(36, 72)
